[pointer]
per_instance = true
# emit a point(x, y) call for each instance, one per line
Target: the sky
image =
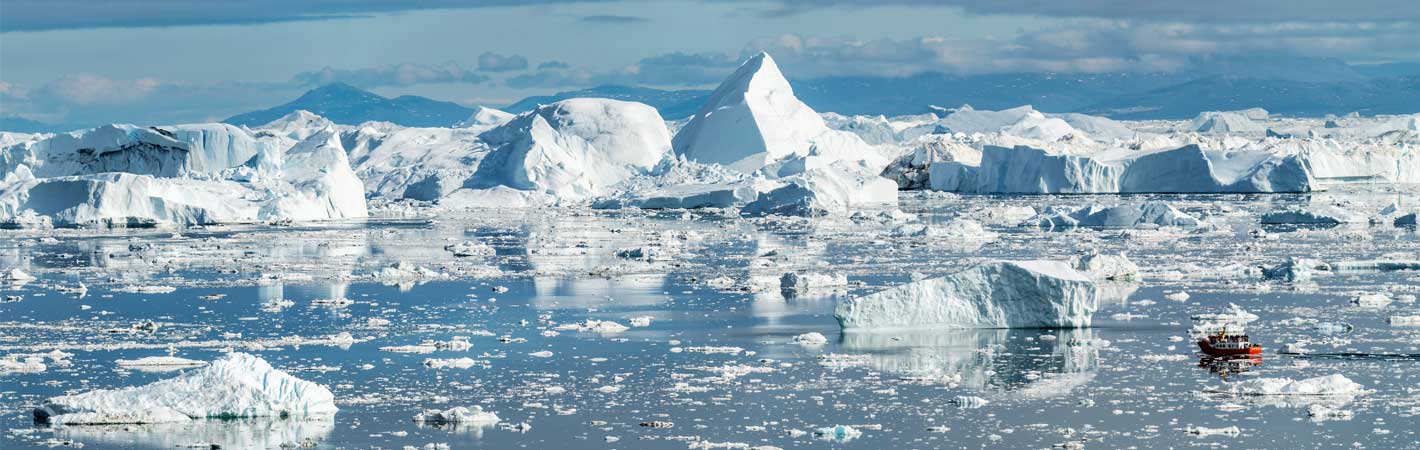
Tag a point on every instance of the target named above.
point(168, 61)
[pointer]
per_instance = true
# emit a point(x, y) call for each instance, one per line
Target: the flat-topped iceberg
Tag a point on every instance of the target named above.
point(1002, 294)
point(235, 386)
point(1187, 169)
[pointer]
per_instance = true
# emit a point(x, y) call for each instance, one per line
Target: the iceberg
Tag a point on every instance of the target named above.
point(238, 385)
point(751, 120)
point(822, 192)
point(1124, 216)
point(574, 148)
point(457, 415)
point(1228, 122)
point(1187, 169)
point(184, 175)
point(1002, 294)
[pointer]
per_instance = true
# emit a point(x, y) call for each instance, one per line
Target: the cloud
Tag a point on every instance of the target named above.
point(86, 90)
point(392, 75)
point(553, 64)
point(613, 20)
point(1196, 11)
point(88, 100)
point(1088, 46)
point(493, 62)
point(40, 15)
point(551, 78)
point(670, 69)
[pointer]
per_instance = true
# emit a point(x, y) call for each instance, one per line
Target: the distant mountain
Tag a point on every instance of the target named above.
point(346, 104)
point(1390, 95)
point(911, 95)
point(672, 104)
point(16, 124)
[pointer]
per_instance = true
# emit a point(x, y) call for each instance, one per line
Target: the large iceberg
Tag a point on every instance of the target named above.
point(1002, 294)
point(238, 385)
point(753, 124)
point(1187, 169)
point(751, 120)
point(122, 175)
point(573, 149)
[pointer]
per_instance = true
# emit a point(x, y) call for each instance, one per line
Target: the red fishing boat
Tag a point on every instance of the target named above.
point(1224, 344)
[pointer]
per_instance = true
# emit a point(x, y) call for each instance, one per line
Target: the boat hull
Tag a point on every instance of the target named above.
point(1208, 349)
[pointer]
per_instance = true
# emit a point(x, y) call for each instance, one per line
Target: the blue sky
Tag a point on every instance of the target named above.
point(161, 61)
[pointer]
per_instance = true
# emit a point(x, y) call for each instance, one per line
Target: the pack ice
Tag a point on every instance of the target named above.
point(123, 175)
point(235, 386)
point(1001, 294)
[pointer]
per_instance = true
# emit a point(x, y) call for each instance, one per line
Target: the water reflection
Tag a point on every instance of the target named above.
point(253, 434)
point(1037, 363)
point(1225, 366)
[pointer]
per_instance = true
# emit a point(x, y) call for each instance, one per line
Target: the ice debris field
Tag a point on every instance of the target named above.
point(757, 276)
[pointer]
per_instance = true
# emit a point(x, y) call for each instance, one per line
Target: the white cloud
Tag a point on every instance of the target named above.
point(84, 90)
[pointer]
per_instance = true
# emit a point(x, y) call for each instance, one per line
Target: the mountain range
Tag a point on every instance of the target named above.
point(343, 103)
point(1287, 86)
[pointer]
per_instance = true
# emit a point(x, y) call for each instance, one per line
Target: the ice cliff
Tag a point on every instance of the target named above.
point(1002, 294)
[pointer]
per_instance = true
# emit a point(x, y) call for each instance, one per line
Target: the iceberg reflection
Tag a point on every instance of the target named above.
point(253, 434)
point(1033, 363)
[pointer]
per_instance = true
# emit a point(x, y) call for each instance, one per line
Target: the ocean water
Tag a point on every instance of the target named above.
point(719, 362)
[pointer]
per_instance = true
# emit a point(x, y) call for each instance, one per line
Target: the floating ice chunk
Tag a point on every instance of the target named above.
point(1315, 215)
point(796, 282)
point(234, 386)
point(10, 365)
point(969, 402)
point(541, 354)
point(811, 339)
point(641, 321)
point(405, 271)
point(1150, 213)
point(16, 276)
point(1204, 431)
point(1107, 267)
point(160, 361)
point(1234, 313)
point(1373, 300)
point(838, 433)
point(470, 248)
point(457, 415)
point(1335, 384)
point(593, 326)
point(1404, 321)
point(1296, 270)
point(453, 363)
point(1002, 294)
